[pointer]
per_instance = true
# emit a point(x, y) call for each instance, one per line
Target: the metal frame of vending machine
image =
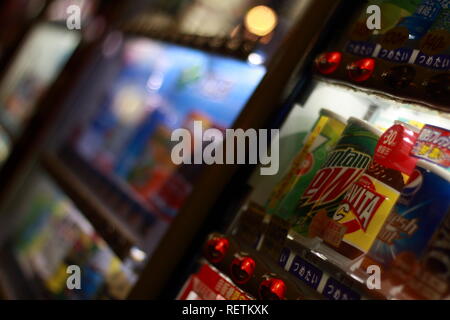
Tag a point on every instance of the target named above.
point(171, 259)
point(382, 77)
point(101, 200)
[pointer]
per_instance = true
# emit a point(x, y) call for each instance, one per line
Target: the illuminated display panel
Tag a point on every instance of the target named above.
point(158, 88)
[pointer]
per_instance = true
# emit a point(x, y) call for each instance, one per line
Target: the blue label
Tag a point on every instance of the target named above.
point(439, 62)
point(360, 48)
point(284, 256)
point(422, 206)
point(400, 55)
point(428, 10)
point(419, 23)
point(334, 290)
point(306, 272)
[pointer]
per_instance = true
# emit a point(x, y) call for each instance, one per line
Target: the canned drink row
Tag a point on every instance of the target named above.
point(365, 193)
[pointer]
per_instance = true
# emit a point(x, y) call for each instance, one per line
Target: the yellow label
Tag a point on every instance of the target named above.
point(364, 210)
point(289, 178)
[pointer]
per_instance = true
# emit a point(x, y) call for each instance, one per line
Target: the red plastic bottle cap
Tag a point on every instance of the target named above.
point(361, 70)
point(242, 269)
point(216, 249)
point(272, 289)
point(394, 147)
point(328, 62)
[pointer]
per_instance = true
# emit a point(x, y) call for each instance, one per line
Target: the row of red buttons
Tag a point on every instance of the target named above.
point(243, 268)
point(400, 77)
point(359, 71)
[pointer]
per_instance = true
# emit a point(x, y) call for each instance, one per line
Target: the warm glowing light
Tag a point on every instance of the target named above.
point(255, 59)
point(261, 20)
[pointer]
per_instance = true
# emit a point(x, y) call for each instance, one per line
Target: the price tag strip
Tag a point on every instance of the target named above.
point(399, 55)
point(315, 278)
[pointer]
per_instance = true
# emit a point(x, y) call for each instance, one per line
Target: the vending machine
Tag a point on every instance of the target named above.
point(360, 206)
point(103, 188)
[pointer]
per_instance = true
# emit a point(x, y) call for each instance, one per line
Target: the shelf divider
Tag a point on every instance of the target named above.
point(119, 236)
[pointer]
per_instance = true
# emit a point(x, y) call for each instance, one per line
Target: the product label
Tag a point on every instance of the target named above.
point(422, 206)
point(433, 144)
point(438, 62)
point(363, 201)
point(334, 290)
point(286, 183)
point(321, 140)
point(361, 48)
point(428, 9)
point(400, 55)
point(208, 284)
point(364, 210)
point(306, 272)
point(342, 168)
point(397, 227)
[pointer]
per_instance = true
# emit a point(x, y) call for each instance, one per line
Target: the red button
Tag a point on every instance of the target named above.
point(242, 269)
point(272, 289)
point(216, 249)
point(328, 62)
point(361, 70)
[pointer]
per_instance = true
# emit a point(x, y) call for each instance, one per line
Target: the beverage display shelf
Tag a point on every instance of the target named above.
point(106, 180)
point(233, 47)
point(119, 236)
point(338, 275)
point(276, 243)
point(127, 205)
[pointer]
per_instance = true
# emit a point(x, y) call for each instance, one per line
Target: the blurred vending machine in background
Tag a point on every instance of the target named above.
point(360, 206)
point(38, 55)
point(101, 190)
